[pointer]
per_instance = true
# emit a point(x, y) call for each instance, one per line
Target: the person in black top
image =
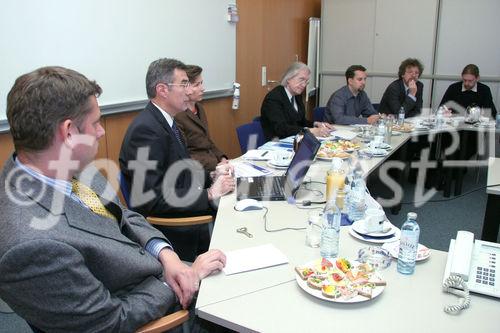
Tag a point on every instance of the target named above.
point(467, 92)
point(405, 92)
point(283, 112)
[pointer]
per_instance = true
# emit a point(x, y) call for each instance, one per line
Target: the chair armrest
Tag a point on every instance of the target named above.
point(165, 323)
point(180, 221)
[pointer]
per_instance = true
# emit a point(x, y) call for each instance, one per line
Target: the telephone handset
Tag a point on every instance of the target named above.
point(471, 265)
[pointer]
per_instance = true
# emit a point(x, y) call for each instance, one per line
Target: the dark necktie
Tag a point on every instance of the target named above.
point(177, 133)
point(293, 104)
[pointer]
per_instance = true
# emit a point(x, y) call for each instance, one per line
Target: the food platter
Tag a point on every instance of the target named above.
point(338, 148)
point(339, 280)
point(405, 128)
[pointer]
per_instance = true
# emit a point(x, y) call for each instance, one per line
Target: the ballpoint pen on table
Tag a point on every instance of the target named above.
point(264, 153)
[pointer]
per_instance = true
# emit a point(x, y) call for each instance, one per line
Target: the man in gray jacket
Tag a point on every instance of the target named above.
point(72, 259)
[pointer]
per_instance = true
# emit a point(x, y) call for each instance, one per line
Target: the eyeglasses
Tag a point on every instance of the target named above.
point(184, 84)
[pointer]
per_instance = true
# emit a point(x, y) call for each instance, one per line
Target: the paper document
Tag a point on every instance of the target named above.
point(257, 155)
point(288, 139)
point(272, 145)
point(253, 258)
point(344, 134)
point(247, 169)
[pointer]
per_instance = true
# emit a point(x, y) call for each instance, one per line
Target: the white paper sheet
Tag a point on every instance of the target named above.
point(252, 258)
point(257, 155)
point(247, 169)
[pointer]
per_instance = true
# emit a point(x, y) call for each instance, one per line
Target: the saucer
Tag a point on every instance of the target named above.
point(278, 166)
point(377, 152)
point(423, 252)
point(359, 227)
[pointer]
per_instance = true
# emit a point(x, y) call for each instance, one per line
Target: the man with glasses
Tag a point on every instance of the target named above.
point(350, 104)
point(406, 91)
point(283, 112)
point(156, 165)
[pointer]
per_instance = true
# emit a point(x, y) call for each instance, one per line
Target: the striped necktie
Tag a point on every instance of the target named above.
point(90, 199)
point(177, 133)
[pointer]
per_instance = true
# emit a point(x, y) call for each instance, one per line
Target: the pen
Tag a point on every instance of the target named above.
point(267, 151)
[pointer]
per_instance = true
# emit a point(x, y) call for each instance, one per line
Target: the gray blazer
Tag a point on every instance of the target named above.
point(66, 269)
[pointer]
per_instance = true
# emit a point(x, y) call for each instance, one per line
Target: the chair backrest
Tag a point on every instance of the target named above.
point(256, 118)
point(250, 136)
point(319, 113)
point(124, 189)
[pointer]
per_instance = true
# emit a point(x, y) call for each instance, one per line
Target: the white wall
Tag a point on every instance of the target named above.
point(114, 41)
point(379, 34)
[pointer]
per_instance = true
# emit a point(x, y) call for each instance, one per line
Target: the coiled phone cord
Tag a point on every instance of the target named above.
point(449, 285)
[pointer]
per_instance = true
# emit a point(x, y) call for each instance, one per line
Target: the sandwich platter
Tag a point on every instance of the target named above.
point(339, 280)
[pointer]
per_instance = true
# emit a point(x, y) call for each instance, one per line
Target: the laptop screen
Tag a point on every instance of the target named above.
point(301, 162)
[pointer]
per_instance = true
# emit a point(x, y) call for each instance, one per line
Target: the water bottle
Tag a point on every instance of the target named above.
point(355, 201)
point(388, 129)
point(236, 96)
point(329, 244)
point(401, 116)
point(440, 117)
point(381, 127)
point(498, 120)
point(410, 232)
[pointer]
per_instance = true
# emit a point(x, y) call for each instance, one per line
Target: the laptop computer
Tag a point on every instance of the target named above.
point(278, 188)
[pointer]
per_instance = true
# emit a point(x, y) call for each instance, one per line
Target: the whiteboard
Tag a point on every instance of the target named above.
point(114, 41)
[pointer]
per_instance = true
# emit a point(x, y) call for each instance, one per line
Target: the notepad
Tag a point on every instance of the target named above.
point(252, 258)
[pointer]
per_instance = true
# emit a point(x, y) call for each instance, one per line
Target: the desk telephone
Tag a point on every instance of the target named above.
point(472, 265)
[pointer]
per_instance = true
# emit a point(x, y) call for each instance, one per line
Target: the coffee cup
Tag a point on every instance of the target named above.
point(374, 220)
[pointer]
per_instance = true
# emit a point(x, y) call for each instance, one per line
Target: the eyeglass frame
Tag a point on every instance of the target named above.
point(185, 84)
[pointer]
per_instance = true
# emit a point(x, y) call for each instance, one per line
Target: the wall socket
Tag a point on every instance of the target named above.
point(264, 76)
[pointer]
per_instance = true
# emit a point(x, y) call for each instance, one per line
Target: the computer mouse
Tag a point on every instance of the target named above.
point(248, 204)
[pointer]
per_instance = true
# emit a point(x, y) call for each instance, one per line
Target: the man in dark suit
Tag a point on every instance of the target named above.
point(72, 259)
point(155, 163)
point(405, 92)
point(469, 92)
point(283, 113)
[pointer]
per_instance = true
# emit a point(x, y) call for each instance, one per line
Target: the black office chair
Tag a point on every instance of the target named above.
point(319, 113)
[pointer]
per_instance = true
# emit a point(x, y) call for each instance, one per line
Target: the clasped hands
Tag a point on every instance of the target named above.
point(223, 180)
point(185, 280)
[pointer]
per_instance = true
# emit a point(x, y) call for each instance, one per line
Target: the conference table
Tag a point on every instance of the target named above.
point(270, 299)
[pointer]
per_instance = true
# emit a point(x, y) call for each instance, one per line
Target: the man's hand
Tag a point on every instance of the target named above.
point(222, 185)
point(320, 131)
point(209, 262)
point(412, 87)
point(180, 277)
point(373, 118)
point(224, 168)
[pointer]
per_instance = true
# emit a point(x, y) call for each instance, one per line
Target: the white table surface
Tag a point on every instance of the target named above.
point(269, 300)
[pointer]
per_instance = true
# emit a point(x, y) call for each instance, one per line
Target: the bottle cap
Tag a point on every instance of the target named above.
point(412, 215)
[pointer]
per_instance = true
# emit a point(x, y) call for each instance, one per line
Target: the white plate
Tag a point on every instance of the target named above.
point(423, 252)
point(317, 293)
point(359, 227)
point(384, 146)
point(377, 152)
point(395, 237)
point(277, 166)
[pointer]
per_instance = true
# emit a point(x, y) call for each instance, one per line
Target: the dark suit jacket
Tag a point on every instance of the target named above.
point(66, 269)
point(195, 131)
point(278, 116)
point(168, 188)
point(481, 98)
point(395, 96)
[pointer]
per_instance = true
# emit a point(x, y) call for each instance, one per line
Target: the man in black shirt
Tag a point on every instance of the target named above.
point(469, 91)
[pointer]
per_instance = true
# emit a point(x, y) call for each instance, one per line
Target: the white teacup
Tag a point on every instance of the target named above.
point(374, 220)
